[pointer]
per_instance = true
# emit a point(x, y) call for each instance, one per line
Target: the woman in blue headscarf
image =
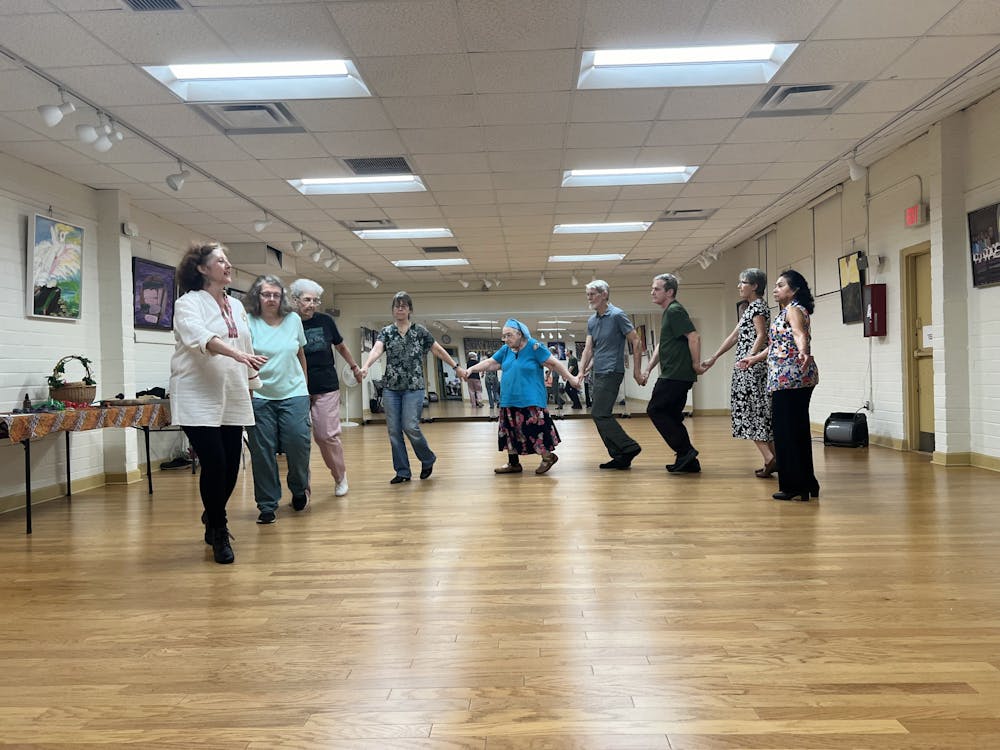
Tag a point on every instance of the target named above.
point(525, 426)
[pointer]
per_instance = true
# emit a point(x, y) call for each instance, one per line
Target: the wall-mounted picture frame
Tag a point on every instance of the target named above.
point(852, 279)
point(54, 269)
point(153, 292)
point(984, 245)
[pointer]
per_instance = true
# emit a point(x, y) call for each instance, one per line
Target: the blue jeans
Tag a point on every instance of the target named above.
point(281, 424)
point(402, 415)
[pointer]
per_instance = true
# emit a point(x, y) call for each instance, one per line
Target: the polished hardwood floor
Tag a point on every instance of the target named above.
point(582, 609)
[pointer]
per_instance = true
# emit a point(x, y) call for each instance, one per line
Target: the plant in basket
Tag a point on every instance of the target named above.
point(81, 391)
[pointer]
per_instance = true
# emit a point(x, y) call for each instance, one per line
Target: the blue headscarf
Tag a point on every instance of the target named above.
point(515, 323)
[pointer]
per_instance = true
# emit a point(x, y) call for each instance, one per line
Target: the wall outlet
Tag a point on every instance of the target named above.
point(867, 406)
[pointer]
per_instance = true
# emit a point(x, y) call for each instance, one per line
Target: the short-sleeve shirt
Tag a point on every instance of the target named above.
point(281, 376)
point(675, 355)
point(321, 335)
point(404, 355)
point(608, 332)
point(523, 375)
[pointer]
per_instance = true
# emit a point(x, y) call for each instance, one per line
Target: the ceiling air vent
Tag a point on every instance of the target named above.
point(357, 224)
point(440, 249)
point(375, 165)
point(250, 118)
point(145, 5)
point(638, 262)
point(801, 100)
point(687, 214)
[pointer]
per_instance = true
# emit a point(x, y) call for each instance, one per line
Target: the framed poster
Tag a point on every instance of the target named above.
point(984, 245)
point(54, 268)
point(852, 278)
point(153, 292)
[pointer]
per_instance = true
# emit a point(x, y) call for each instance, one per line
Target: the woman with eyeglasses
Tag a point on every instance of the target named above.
point(212, 371)
point(322, 337)
point(281, 405)
point(405, 345)
point(750, 403)
point(524, 426)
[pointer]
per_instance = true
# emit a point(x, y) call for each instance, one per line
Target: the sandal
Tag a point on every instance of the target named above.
point(509, 469)
point(547, 462)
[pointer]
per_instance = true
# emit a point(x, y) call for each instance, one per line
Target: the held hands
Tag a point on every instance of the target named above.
point(641, 377)
point(462, 373)
point(707, 363)
point(361, 374)
point(744, 364)
point(256, 361)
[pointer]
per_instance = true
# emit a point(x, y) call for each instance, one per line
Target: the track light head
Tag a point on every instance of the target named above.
point(103, 143)
point(703, 261)
point(261, 224)
point(541, 280)
point(574, 280)
point(373, 282)
point(463, 283)
point(297, 246)
point(86, 133)
point(52, 114)
point(713, 253)
point(487, 283)
point(317, 255)
point(855, 170)
point(334, 265)
point(176, 181)
point(497, 282)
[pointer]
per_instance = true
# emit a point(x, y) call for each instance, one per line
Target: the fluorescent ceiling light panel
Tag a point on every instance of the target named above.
point(480, 328)
point(554, 322)
point(480, 322)
point(627, 176)
point(389, 183)
point(426, 262)
point(619, 226)
point(585, 258)
point(261, 81)
point(402, 234)
point(682, 66)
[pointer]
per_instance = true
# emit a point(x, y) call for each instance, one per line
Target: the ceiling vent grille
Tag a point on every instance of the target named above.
point(147, 5)
point(687, 214)
point(250, 118)
point(376, 165)
point(802, 100)
point(441, 249)
point(357, 224)
point(638, 262)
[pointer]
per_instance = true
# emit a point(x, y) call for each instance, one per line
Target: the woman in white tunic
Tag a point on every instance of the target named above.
point(212, 371)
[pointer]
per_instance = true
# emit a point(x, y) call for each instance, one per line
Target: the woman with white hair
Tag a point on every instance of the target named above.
point(322, 337)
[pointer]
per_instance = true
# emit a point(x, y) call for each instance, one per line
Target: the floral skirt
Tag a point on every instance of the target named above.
point(525, 430)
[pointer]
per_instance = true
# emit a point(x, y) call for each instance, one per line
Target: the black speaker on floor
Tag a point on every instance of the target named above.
point(846, 429)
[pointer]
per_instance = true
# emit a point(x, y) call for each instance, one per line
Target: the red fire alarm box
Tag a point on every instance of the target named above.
point(873, 297)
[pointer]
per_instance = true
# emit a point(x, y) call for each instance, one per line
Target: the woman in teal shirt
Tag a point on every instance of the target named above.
point(525, 426)
point(281, 405)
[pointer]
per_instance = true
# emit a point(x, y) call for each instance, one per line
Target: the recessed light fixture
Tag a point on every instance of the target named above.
point(428, 262)
point(261, 81)
point(585, 258)
point(627, 176)
point(726, 65)
point(402, 234)
point(387, 183)
point(614, 226)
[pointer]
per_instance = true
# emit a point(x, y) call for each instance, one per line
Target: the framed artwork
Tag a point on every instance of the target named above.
point(239, 294)
point(984, 245)
point(153, 292)
point(852, 278)
point(54, 268)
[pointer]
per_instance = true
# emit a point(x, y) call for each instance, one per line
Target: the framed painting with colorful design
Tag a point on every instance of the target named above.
point(54, 269)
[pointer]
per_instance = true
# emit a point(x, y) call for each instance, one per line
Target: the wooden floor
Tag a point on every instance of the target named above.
point(581, 609)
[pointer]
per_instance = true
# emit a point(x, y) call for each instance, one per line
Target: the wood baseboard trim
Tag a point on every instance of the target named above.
point(51, 492)
point(129, 477)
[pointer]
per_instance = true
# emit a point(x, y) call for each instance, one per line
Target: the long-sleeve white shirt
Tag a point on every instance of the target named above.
point(206, 389)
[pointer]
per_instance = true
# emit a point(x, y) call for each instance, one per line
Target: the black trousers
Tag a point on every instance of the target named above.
point(219, 450)
point(793, 440)
point(666, 412)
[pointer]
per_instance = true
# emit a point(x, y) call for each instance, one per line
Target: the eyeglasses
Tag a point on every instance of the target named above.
point(269, 295)
point(309, 300)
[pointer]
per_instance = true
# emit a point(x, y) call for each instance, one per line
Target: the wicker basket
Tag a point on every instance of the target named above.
point(78, 392)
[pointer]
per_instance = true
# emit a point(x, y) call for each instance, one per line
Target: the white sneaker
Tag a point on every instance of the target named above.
point(341, 489)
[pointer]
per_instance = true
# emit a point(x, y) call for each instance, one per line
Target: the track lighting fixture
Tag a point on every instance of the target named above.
point(713, 253)
point(463, 283)
point(317, 254)
point(855, 170)
point(541, 280)
point(487, 283)
point(497, 282)
point(703, 261)
point(373, 282)
point(298, 244)
point(573, 280)
point(176, 181)
point(261, 224)
point(52, 114)
point(86, 133)
point(332, 263)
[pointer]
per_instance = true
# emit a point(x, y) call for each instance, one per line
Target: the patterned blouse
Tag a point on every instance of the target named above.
point(783, 369)
point(404, 356)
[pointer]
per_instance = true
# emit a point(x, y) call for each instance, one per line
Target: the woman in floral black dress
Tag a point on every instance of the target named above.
point(750, 401)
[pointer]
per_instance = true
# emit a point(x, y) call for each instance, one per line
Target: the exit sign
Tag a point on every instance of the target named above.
point(915, 215)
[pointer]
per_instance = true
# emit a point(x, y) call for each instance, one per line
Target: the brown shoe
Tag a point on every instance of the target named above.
point(547, 463)
point(767, 471)
point(509, 469)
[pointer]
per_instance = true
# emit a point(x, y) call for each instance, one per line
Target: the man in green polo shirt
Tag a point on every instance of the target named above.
point(678, 354)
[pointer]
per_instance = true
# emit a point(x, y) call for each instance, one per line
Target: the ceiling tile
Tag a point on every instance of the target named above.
point(610, 24)
point(472, 181)
point(281, 32)
point(204, 148)
point(884, 19)
point(775, 129)
point(362, 143)
point(417, 75)
point(690, 132)
point(32, 37)
point(114, 85)
point(889, 96)
point(450, 163)
point(834, 62)
point(173, 38)
point(710, 102)
point(432, 111)
point(748, 21)
point(164, 119)
point(523, 137)
point(519, 24)
point(607, 134)
point(442, 140)
point(280, 145)
point(936, 57)
point(550, 70)
point(505, 109)
point(970, 17)
point(400, 27)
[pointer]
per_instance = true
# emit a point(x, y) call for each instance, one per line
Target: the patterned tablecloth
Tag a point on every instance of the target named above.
point(19, 427)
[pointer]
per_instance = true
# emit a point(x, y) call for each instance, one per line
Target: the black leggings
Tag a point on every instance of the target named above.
point(219, 450)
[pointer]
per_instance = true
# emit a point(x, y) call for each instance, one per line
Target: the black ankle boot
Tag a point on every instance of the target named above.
point(221, 548)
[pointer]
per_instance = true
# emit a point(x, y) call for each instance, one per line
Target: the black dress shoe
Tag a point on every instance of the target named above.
point(802, 496)
point(692, 468)
point(615, 463)
point(426, 471)
point(398, 479)
point(684, 461)
point(629, 456)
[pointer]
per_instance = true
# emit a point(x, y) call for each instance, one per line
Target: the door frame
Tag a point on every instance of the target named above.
point(911, 422)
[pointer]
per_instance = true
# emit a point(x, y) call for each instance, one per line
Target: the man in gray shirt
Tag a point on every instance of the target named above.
point(607, 331)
